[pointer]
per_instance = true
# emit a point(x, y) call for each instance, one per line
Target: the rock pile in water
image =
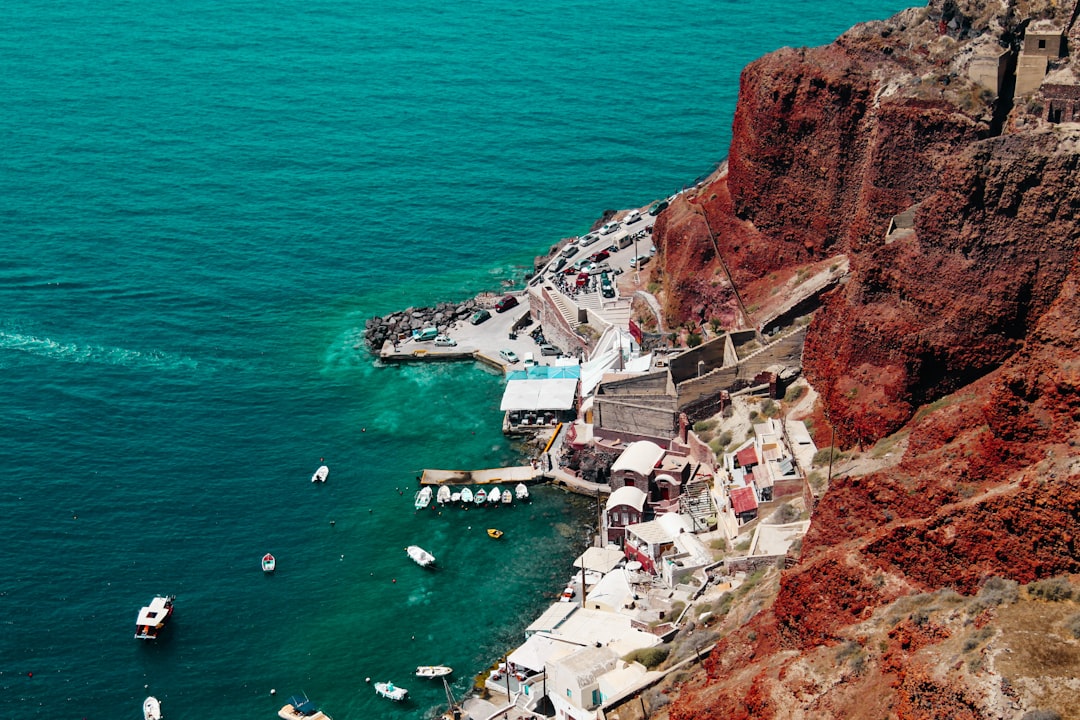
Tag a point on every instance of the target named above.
point(399, 325)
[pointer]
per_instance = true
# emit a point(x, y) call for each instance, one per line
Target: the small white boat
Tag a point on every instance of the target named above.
point(480, 497)
point(467, 495)
point(320, 474)
point(455, 497)
point(423, 498)
point(151, 709)
point(494, 496)
point(392, 691)
point(521, 491)
point(507, 497)
point(269, 563)
point(433, 671)
point(443, 496)
point(420, 556)
point(152, 618)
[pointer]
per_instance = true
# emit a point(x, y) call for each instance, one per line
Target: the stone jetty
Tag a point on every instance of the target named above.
point(399, 325)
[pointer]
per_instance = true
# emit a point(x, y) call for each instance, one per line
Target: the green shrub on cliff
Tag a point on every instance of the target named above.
point(1053, 589)
point(649, 657)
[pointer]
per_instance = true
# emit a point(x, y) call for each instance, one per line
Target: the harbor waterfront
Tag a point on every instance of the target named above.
point(202, 203)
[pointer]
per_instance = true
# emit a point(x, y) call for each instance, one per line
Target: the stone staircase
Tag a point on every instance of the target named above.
point(567, 309)
point(616, 312)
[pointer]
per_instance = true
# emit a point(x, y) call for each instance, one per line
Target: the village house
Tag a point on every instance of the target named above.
point(625, 506)
point(636, 466)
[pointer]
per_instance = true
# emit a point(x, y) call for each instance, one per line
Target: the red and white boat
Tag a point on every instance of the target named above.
point(153, 617)
point(269, 563)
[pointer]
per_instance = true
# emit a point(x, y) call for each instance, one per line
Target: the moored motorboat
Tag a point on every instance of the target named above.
point(433, 671)
point(467, 495)
point(420, 556)
point(494, 533)
point(153, 617)
point(455, 497)
point(151, 709)
point(494, 496)
point(521, 491)
point(300, 708)
point(480, 497)
point(269, 563)
point(444, 495)
point(423, 498)
point(320, 474)
point(392, 691)
point(507, 497)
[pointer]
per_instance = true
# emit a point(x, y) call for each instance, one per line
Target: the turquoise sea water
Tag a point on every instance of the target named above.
point(200, 204)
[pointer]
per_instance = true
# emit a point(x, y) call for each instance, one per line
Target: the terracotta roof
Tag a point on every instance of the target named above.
point(747, 456)
point(743, 500)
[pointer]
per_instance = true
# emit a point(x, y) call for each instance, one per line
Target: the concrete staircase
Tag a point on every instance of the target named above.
point(567, 309)
point(616, 312)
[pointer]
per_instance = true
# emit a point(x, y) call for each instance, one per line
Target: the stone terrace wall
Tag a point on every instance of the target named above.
point(787, 352)
point(715, 353)
point(652, 416)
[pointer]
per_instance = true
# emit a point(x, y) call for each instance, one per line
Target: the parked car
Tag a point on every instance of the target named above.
point(657, 207)
point(599, 268)
point(606, 288)
point(509, 356)
point(639, 260)
point(569, 251)
point(445, 341)
point(589, 239)
point(428, 333)
point(549, 349)
point(479, 316)
point(608, 228)
point(560, 265)
point(582, 278)
point(632, 217)
point(505, 303)
point(600, 255)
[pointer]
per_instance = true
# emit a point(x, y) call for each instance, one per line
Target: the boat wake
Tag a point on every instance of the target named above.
point(97, 354)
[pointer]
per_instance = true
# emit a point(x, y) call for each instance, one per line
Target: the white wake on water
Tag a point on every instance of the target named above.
point(90, 353)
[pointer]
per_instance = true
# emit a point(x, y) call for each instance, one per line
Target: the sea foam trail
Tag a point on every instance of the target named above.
point(89, 353)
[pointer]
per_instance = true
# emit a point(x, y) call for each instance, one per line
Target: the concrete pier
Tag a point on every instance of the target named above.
point(493, 476)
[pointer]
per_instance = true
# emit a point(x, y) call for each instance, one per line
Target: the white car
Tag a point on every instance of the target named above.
point(587, 240)
point(609, 228)
point(509, 356)
point(445, 341)
point(640, 260)
point(632, 218)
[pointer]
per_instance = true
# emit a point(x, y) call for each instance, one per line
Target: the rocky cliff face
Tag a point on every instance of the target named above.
point(968, 311)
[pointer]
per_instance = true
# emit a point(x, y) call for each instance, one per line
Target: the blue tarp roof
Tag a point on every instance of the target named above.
point(303, 705)
point(546, 372)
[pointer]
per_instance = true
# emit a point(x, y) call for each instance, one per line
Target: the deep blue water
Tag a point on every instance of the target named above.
point(200, 204)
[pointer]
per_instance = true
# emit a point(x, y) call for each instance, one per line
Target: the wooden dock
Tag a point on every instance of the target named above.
point(494, 476)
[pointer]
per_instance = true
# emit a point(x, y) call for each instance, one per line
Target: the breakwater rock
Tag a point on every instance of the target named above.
point(399, 325)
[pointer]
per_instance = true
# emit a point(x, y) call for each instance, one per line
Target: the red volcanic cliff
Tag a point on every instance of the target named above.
point(973, 305)
point(828, 145)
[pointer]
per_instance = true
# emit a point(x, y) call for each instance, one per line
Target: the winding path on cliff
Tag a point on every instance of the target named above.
point(654, 305)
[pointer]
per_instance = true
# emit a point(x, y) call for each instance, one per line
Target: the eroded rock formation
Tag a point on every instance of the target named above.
point(967, 310)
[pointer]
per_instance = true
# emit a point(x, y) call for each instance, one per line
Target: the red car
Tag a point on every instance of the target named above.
point(582, 278)
point(600, 255)
point(507, 302)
